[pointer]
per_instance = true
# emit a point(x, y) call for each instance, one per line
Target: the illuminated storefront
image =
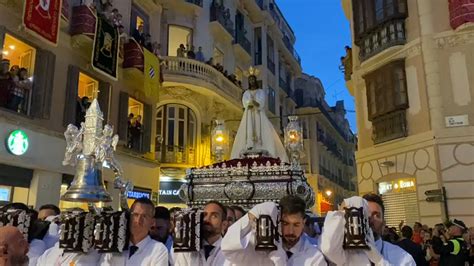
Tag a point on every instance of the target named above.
point(401, 201)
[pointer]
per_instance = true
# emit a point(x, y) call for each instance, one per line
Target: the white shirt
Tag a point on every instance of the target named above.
point(55, 256)
point(238, 247)
point(394, 255)
point(150, 252)
point(216, 258)
point(36, 249)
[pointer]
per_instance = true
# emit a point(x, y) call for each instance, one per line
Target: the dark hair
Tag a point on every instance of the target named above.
point(418, 224)
point(238, 208)
point(162, 213)
point(16, 206)
point(407, 232)
point(228, 208)
point(52, 207)
point(221, 206)
point(372, 197)
point(291, 204)
point(175, 209)
point(144, 201)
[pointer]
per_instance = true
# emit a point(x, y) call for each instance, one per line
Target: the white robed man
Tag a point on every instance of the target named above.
point(142, 250)
point(379, 253)
point(215, 220)
point(238, 245)
point(256, 133)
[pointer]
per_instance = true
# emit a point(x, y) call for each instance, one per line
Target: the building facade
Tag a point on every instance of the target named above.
point(175, 127)
point(329, 144)
point(411, 75)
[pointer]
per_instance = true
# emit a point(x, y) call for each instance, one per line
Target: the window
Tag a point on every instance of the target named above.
point(386, 89)
point(17, 95)
point(258, 46)
point(139, 18)
point(371, 13)
point(176, 131)
point(87, 87)
point(270, 49)
point(178, 35)
point(135, 124)
point(387, 101)
point(271, 99)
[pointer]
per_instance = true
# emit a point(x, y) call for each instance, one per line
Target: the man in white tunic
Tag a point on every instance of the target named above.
point(256, 133)
point(380, 252)
point(142, 249)
point(238, 245)
point(210, 254)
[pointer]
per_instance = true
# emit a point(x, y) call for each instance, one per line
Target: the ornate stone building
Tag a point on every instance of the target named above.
point(413, 84)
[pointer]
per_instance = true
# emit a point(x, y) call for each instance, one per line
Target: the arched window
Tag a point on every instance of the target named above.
point(176, 128)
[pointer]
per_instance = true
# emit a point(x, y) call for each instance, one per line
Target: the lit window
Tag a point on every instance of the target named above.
point(135, 124)
point(178, 35)
point(21, 58)
point(88, 87)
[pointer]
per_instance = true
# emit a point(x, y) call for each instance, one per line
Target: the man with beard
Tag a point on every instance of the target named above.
point(391, 254)
point(238, 244)
point(210, 254)
point(13, 247)
point(161, 230)
point(142, 250)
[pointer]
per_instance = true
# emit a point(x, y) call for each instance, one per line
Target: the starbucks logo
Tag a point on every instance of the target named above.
point(17, 142)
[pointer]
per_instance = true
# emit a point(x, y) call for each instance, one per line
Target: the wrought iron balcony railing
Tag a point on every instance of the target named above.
point(385, 35)
point(222, 15)
point(243, 41)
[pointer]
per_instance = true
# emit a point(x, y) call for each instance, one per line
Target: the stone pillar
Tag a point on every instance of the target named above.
point(45, 188)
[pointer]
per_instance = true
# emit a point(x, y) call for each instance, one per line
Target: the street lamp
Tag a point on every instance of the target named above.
point(328, 193)
point(220, 140)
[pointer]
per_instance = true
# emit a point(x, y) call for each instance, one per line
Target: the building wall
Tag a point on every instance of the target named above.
point(439, 83)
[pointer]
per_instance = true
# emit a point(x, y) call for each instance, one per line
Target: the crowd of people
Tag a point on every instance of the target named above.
point(190, 53)
point(15, 87)
point(228, 237)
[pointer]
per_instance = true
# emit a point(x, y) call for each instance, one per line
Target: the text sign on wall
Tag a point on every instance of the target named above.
point(457, 121)
point(137, 193)
point(169, 192)
point(397, 185)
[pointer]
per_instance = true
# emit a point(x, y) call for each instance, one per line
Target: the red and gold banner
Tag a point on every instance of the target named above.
point(41, 17)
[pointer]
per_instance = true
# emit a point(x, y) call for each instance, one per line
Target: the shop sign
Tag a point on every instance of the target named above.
point(169, 192)
point(397, 185)
point(138, 193)
point(17, 142)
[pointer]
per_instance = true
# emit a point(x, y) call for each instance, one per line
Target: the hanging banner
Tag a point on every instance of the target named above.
point(152, 74)
point(106, 48)
point(41, 18)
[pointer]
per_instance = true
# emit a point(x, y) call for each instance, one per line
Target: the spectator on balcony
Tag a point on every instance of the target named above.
point(148, 44)
point(181, 51)
point(117, 21)
point(123, 36)
point(210, 61)
point(129, 130)
point(21, 88)
point(156, 47)
point(6, 82)
point(137, 132)
point(81, 109)
point(200, 55)
point(190, 53)
point(139, 35)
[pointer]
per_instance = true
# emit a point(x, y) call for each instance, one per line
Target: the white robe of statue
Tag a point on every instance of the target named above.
point(256, 132)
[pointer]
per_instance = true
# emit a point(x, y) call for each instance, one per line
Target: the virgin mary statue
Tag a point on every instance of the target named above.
point(256, 134)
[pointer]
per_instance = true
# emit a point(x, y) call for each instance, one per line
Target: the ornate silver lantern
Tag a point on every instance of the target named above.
point(267, 234)
point(220, 141)
point(294, 140)
point(355, 229)
point(187, 232)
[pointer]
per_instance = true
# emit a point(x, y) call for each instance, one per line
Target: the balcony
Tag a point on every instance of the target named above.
point(271, 65)
point(221, 24)
point(176, 155)
point(460, 12)
point(242, 47)
point(285, 86)
point(82, 28)
point(182, 70)
point(389, 126)
point(291, 49)
point(391, 33)
point(133, 61)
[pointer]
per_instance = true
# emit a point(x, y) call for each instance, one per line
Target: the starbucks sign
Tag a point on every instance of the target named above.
point(17, 142)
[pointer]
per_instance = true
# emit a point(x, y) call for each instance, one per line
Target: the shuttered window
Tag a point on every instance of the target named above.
point(43, 84)
point(401, 206)
point(104, 99)
point(70, 104)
